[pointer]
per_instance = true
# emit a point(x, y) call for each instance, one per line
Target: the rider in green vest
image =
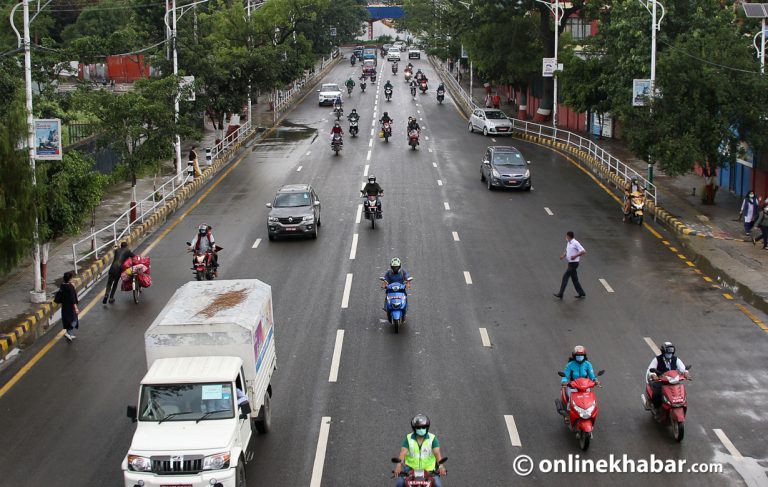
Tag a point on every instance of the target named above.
point(420, 451)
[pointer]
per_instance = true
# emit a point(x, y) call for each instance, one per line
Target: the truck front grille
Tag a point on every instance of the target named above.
point(173, 465)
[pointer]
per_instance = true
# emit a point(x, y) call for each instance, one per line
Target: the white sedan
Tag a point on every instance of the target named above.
point(328, 93)
point(490, 121)
point(393, 54)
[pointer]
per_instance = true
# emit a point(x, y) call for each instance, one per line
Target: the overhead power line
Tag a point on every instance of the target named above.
point(706, 61)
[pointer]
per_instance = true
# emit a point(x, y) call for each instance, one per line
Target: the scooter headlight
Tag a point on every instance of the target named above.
point(585, 413)
point(396, 303)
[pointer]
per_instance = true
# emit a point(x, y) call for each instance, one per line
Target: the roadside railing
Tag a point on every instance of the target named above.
point(104, 239)
point(554, 134)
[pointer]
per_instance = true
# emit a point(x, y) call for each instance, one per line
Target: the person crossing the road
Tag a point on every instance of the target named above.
point(572, 255)
point(664, 362)
point(420, 450)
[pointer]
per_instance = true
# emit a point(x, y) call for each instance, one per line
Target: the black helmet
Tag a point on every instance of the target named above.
point(386, 114)
point(202, 229)
point(371, 178)
point(420, 421)
point(354, 110)
point(667, 348)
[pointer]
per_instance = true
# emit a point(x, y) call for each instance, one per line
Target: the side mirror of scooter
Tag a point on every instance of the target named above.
point(600, 373)
point(269, 205)
point(486, 162)
point(317, 203)
point(409, 279)
point(382, 279)
point(653, 371)
point(189, 244)
point(561, 373)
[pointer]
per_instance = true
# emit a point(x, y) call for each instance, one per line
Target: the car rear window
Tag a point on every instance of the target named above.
point(292, 200)
point(508, 159)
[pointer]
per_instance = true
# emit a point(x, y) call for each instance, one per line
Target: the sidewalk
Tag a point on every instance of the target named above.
point(713, 233)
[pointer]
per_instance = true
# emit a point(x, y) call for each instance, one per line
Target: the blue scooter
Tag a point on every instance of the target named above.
point(397, 303)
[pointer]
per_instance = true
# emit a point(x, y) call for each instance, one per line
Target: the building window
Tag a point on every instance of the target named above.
point(578, 28)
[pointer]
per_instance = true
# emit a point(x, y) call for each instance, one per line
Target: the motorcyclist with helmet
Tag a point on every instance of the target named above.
point(413, 124)
point(388, 86)
point(420, 450)
point(664, 362)
point(414, 85)
point(203, 242)
point(385, 118)
point(372, 188)
point(353, 117)
point(577, 367)
point(337, 130)
point(350, 84)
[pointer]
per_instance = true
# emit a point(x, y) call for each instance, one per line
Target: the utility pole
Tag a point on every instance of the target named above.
point(557, 10)
point(177, 139)
point(250, 112)
point(651, 6)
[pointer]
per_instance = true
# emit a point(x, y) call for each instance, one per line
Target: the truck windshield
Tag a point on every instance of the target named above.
point(186, 402)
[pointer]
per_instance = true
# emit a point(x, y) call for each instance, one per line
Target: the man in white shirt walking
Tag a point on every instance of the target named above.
point(572, 255)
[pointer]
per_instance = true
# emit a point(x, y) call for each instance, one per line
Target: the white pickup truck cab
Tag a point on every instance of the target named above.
point(207, 390)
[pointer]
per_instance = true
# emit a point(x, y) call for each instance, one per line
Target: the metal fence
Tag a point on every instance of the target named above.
point(79, 131)
point(570, 139)
point(104, 239)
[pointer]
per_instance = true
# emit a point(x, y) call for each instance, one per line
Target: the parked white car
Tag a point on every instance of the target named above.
point(327, 93)
point(490, 121)
point(393, 54)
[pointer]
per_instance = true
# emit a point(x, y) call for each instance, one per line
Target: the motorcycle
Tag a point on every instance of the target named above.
point(338, 111)
point(394, 69)
point(336, 143)
point(636, 208)
point(408, 74)
point(423, 86)
point(674, 404)
point(353, 129)
point(363, 85)
point(372, 206)
point(420, 478)
point(581, 414)
point(387, 129)
point(349, 89)
point(353, 59)
point(413, 92)
point(397, 303)
point(388, 94)
point(440, 96)
point(373, 78)
point(413, 139)
point(202, 263)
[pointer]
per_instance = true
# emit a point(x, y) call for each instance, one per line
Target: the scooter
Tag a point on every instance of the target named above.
point(394, 69)
point(387, 129)
point(373, 78)
point(336, 144)
point(408, 74)
point(388, 93)
point(349, 89)
point(580, 417)
point(372, 206)
point(636, 208)
point(202, 263)
point(353, 128)
point(397, 303)
point(413, 92)
point(674, 404)
point(413, 139)
point(420, 478)
point(363, 85)
point(423, 86)
point(338, 111)
point(353, 59)
point(440, 96)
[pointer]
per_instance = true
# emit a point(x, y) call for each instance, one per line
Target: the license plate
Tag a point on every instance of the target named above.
point(503, 129)
point(176, 485)
point(290, 229)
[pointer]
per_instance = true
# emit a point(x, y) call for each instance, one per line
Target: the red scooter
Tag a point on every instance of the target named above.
point(674, 403)
point(581, 414)
point(387, 131)
point(202, 264)
point(423, 86)
point(420, 478)
point(413, 139)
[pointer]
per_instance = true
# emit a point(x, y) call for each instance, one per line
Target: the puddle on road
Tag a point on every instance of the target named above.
point(287, 133)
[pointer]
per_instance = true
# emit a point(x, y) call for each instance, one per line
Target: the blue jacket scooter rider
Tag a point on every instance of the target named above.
point(395, 273)
point(577, 367)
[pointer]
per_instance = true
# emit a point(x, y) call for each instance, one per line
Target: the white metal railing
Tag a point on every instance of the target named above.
point(566, 137)
point(123, 224)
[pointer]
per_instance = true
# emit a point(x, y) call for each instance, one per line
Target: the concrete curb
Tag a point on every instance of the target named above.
point(30, 328)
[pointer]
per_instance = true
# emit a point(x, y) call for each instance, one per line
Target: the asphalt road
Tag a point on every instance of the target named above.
point(480, 260)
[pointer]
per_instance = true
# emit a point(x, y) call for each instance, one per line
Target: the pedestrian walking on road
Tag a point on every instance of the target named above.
point(750, 209)
point(121, 254)
point(67, 297)
point(572, 255)
point(762, 225)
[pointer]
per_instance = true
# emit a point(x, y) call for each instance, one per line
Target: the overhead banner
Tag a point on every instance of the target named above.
point(48, 139)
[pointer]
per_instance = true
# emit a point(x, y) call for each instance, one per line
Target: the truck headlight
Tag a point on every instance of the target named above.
point(272, 219)
point(216, 462)
point(137, 463)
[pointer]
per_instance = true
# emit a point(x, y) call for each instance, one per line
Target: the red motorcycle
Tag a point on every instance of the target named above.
point(420, 478)
point(387, 131)
point(413, 139)
point(203, 265)
point(423, 86)
point(581, 414)
point(674, 403)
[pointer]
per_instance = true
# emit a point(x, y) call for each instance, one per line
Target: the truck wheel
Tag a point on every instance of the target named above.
point(263, 422)
point(240, 474)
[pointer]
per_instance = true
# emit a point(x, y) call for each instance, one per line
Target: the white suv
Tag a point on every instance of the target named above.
point(393, 54)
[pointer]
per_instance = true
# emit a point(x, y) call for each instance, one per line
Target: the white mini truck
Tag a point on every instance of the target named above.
point(210, 354)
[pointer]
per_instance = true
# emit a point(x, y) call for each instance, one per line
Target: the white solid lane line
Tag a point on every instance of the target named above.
point(359, 213)
point(298, 169)
point(439, 182)
point(484, 337)
point(514, 437)
point(467, 277)
point(455, 236)
point(347, 290)
point(447, 206)
point(368, 157)
point(606, 285)
point(728, 444)
point(256, 243)
point(549, 212)
point(365, 171)
point(353, 251)
point(334, 375)
point(652, 344)
point(322, 444)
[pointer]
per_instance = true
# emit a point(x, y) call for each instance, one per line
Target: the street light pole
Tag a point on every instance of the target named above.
point(250, 112)
point(558, 11)
point(177, 139)
point(655, 26)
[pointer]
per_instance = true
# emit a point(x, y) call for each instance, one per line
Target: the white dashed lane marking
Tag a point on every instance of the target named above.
point(467, 277)
point(549, 212)
point(334, 375)
point(298, 169)
point(353, 250)
point(455, 236)
point(606, 285)
point(514, 437)
point(322, 444)
point(447, 206)
point(256, 243)
point(347, 290)
point(484, 337)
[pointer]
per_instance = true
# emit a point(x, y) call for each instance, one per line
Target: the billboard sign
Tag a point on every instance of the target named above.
point(48, 139)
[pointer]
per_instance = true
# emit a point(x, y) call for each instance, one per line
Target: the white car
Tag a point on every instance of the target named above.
point(393, 54)
point(414, 53)
point(490, 121)
point(328, 93)
point(400, 45)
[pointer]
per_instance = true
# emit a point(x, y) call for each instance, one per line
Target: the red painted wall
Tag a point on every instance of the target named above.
point(126, 69)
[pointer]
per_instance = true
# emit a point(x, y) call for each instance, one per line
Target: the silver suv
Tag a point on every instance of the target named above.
point(294, 211)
